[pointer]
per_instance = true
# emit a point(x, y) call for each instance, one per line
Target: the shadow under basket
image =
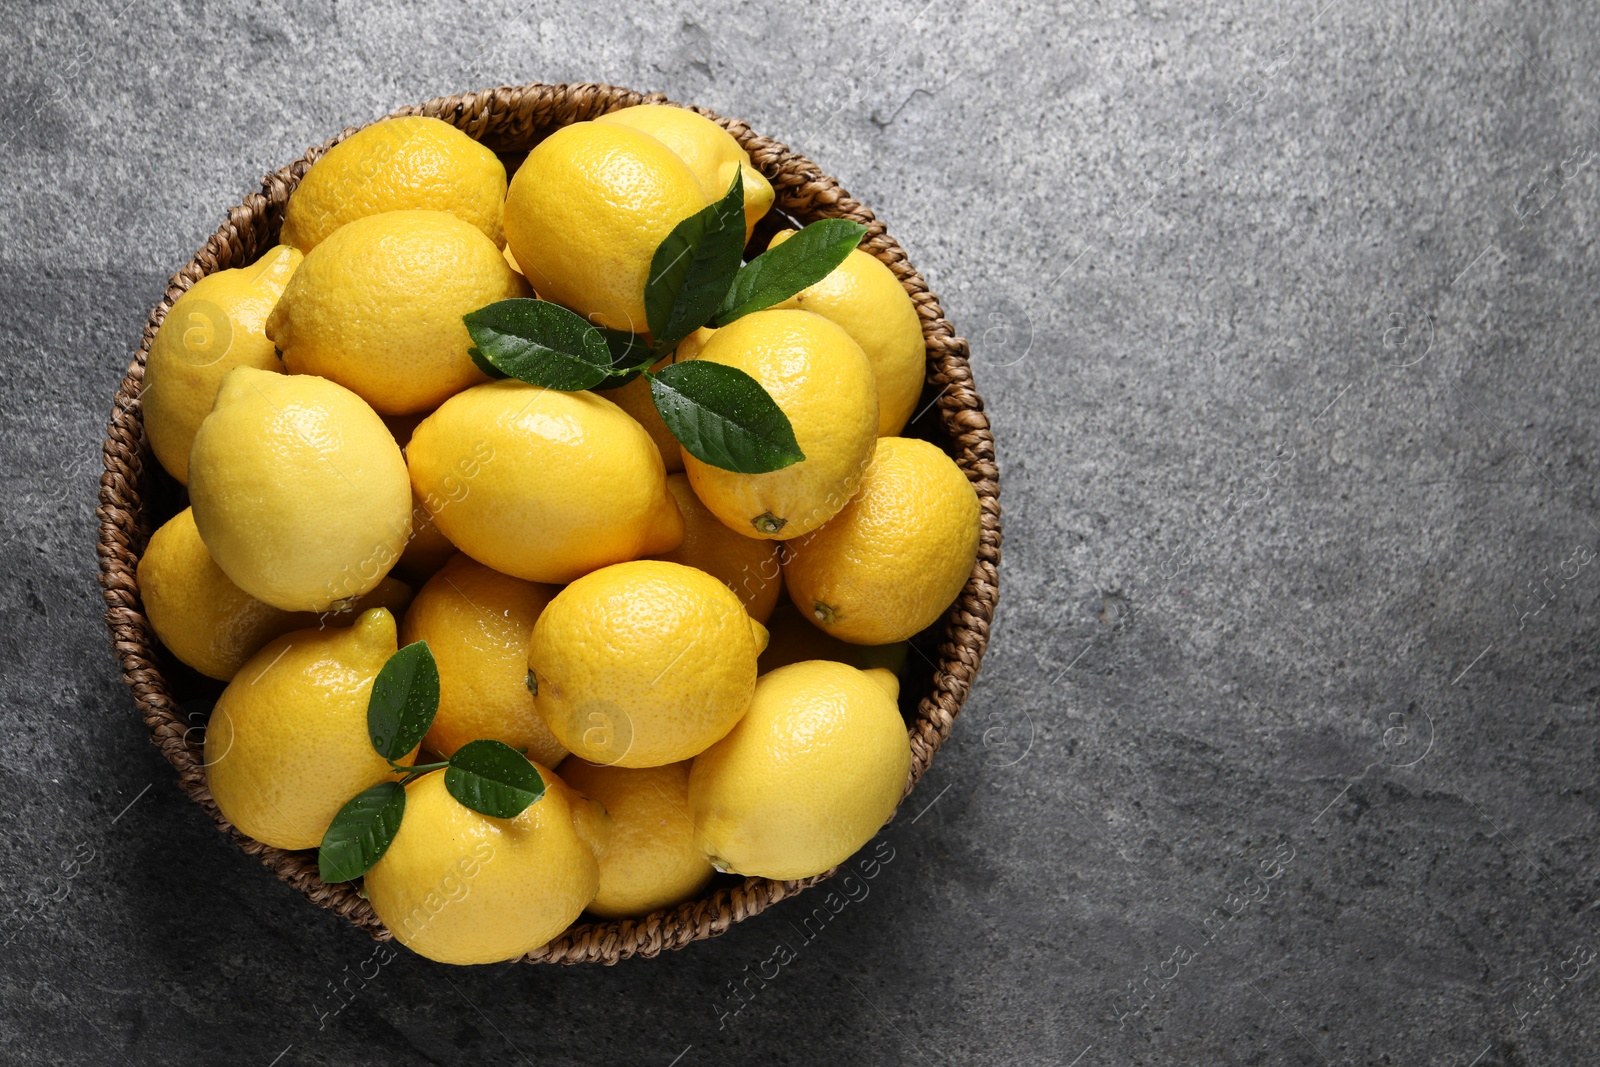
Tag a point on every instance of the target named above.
point(136, 496)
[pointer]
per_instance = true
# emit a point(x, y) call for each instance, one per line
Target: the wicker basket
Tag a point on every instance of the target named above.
point(136, 495)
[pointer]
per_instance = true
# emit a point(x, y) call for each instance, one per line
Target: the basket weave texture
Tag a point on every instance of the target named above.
point(510, 120)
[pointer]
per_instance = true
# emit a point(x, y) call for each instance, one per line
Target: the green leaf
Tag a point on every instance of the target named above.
point(540, 343)
point(693, 268)
point(782, 271)
point(360, 834)
point(630, 354)
point(724, 417)
point(405, 698)
point(484, 365)
point(492, 778)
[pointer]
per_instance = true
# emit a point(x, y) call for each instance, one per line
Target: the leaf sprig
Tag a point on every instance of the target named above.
point(720, 414)
point(490, 777)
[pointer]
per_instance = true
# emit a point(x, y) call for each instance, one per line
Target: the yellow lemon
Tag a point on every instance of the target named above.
point(794, 637)
point(377, 307)
point(652, 861)
point(218, 324)
point(823, 383)
point(428, 549)
point(644, 663)
point(477, 623)
point(690, 347)
point(634, 398)
point(408, 162)
point(863, 296)
point(542, 485)
point(746, 565)
point(287, 744)
point(460, 887)
point(585, 213)
point(211, 624)
point(892, 561)
point(810, 774)
point(298, 490)
point(711, 152)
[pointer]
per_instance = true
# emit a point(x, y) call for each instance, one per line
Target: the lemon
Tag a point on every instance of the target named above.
point(409, 162)
point(477, 623)
point(810, 774)
point(711, 152)
point(377, 307)
point(652, 861)
point(746, 565)
point(218, 324)
point(892, 561)
point(428, 549)
point(635, 399)
point(643, 663)
point(585, 213)
point(794, 637)
point(460, 887)
point(298, 490)
point(542, 485)
point(690, 347)
point(211, 624)
point(863, 296)
point(287, 744)
point(823, 383)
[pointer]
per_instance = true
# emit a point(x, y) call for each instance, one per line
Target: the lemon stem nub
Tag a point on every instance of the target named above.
point(768, 523)
point(532, 682)
point(822, 612)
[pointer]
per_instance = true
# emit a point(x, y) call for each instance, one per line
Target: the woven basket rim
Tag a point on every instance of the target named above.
point(511, 118)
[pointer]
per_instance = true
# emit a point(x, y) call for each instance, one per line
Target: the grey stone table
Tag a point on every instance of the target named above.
point(1284, 750)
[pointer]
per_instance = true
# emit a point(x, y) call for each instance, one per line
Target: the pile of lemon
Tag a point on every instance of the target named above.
point(589, 592)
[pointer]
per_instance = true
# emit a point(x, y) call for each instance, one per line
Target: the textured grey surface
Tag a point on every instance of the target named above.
point(1287, 323)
